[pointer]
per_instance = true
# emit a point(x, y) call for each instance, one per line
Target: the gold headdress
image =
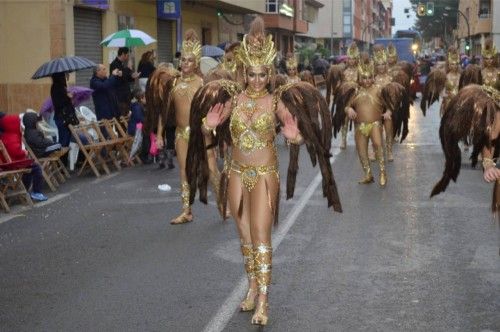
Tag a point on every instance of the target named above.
point(353, 51)
point(291, 63)
point(391, 51)
point(489, 50)
point(191, 45)
point(379, 55)
point(365, 67)
point(256, 49)
point(453, 56)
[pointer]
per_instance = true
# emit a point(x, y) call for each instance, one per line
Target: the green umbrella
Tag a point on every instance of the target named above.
point(128, 38)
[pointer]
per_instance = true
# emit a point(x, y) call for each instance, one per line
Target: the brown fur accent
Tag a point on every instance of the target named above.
point(309, 107)
point(471, 114)
point(334, 78)
point(231, 47)
point(307, 76)
point(471, 75)
point(191, 35)
point(280, 80)
point(433, 86)
point(196, 162)
point(217, 73)
point(345, 94)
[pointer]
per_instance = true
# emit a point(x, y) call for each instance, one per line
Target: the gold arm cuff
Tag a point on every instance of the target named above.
point(488, 162)
point(207, 128)
point(297, 140)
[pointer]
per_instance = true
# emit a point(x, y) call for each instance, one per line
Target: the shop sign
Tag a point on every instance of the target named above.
point(168, 9)
point(101, 4)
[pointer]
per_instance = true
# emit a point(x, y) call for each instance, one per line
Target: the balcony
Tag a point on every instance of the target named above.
point(483, 25)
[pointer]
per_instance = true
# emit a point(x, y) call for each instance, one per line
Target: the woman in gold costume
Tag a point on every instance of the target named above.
point(439, 80)
point(490, 73)
point(179, 93)
point(246, 121)
point(291, 70)
point(336, 77)
point(367, 105)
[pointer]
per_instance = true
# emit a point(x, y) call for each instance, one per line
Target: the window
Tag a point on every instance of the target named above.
point(484, 9)
point(271, 6)
point(125, 22)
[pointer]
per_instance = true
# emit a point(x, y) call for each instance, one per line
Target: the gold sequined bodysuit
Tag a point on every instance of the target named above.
point(351, 74)
point(252, 128)
point(490, 76)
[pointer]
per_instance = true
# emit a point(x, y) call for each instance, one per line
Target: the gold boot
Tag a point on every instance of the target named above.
point(248, 304)
point(388, 147)
point(343, 143)
point(186, 215)
point(263, 264)
point(368, 178)
point(383, 176)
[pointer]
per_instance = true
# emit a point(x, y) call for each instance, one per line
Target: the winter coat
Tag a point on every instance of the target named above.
point(60, 100)
point(122, 89)
point(104, 97)
point(34, 137)
point(136, 116)
point(10, 126)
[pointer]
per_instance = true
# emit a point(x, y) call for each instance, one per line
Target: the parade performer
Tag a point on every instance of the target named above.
point(179, 92)
point(291, 70)
point(490, 72)
point(473, 115)
point(367, 104)
point(336, 77)
point(245, 119)
point(229, 62)
point(439, 80)
point(307, 76)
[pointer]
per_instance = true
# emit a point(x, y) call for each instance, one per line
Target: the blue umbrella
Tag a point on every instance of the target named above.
point(63, 65)
point(210, 50)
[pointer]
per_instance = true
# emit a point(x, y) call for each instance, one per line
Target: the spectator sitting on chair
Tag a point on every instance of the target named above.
point(137, 114)
point(125, 77)
point(104, 98)
point(41, 146)
point(10, 135)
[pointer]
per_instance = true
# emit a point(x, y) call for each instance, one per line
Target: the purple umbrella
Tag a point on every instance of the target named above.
point(80, 94)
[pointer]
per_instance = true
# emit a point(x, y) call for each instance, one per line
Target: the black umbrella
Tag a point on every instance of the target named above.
point(63, 65)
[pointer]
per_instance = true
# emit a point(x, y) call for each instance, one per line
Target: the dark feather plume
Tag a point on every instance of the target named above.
point(345, 94)
point(433, 86)
point(471, 75)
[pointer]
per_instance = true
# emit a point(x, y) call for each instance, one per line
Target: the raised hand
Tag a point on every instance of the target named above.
point(387, 115)
point(290, 128)
point(214, 115)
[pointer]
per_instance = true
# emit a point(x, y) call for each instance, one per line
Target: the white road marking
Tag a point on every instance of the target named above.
point(230, 305)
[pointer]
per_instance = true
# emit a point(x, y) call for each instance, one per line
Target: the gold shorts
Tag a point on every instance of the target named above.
point(365, 128)
point(250, 174)
point(182, 133)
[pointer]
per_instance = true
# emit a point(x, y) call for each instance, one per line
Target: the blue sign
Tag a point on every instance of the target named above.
point(101, 4)
point(168, 9)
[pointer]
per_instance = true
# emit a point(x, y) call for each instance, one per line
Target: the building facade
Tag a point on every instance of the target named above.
point(479, 23)
point(54, 28)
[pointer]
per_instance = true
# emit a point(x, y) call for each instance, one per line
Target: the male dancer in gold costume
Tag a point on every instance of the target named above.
point(291, 70)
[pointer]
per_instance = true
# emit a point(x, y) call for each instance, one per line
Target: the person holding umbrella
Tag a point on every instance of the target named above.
point(125, 77)
point(64, 111)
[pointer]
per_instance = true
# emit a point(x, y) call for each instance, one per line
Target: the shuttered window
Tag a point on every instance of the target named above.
point(88, 35)
point(165, 51)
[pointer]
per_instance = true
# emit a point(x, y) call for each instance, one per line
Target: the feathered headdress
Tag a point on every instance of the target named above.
point(256, 49)
point(191, 45)
point(453, 56)
point(291, 62)
point(379, 55)
point(365, 67)
point(391, 51)
point(489, 50)
point(353, 51)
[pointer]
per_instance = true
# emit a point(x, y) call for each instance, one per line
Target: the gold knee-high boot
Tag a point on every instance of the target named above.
point(343, 130)
point(248, 304)
point(381, 163)
point(368, 178)
point(186, 215)
point(214, 178)
point(389, 141)
point(263, 256)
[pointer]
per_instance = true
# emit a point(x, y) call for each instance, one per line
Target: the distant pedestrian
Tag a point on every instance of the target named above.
point(146, 67)
point(105, 100)
point(127, 76)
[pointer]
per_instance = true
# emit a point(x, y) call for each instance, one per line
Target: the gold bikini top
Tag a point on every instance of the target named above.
point(252, 128)
point(451, 84)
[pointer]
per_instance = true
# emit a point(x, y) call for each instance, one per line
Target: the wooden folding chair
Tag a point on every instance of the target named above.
point(53, 170)
point(107, 136)
point(11, 183)
point(87, 137)
point(123, 132)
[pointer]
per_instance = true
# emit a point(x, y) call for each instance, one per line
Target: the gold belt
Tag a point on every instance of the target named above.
point(250, 174)
point(366, 127)
point(182, 133)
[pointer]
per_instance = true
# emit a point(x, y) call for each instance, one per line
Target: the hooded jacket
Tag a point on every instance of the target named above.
point(34, 137)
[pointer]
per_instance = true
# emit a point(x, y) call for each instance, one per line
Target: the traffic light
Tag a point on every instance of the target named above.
point(430, 9)
point(467, 46)
point(219, 12)
point(421, 9)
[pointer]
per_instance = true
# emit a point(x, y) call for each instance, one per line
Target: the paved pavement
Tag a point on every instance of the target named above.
point(101, 256)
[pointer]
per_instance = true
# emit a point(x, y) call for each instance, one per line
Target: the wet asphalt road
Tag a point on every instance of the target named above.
point(101, 256)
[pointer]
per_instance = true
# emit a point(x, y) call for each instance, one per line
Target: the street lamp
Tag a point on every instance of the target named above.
point(468, 43)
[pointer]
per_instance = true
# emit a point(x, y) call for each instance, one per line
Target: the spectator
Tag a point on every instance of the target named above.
point(41, 146)
point(319, 65)
point(125, 77)
point(64, 112)
point(146, 68)
point(10, 135)
point(106, 106)
point(137, 114)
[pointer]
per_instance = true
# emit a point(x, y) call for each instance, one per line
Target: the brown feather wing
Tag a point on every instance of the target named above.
point(212, 93)
point(345, 94)
point(333, 80)
point(310, 109)
point(471, 75)
point(470, 114)
point(433, 86)
point(395, 98)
